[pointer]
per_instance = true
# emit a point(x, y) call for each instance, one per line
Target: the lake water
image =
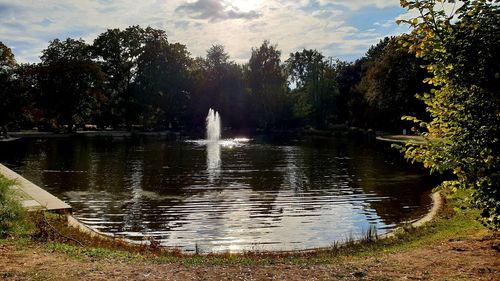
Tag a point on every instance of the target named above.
point(250, 197)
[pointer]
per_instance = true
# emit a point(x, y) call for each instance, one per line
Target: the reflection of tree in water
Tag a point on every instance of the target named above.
point(396, 186)
point(265, 178)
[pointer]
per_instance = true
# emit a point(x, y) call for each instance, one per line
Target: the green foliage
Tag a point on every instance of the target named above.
point(7, 60)
point(161, 79)
point(9, 103)
point(267, 82)
point(392, 78)
point(217, 82)
point(70, 82)
point(316, 87)
point(462, 53)
point(117, 52)
point(11, 212)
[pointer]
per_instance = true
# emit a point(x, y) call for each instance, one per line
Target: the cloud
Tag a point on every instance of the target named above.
point(339, 28)
point(355, 5)
point(214, 10)
point(385, 23)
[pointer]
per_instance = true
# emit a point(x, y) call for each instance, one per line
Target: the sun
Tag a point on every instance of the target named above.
point(245, 5)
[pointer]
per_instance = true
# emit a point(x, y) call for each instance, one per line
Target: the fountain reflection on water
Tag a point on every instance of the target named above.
point(213, 142)
point(213, 161)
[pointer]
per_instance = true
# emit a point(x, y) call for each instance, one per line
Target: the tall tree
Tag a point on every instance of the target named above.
point(268, 84)
point(117, 52)
point(352, 106)
point(315, 77)
point(389, 86)
point(348, 76)
point(70, 82)
point(462, 50)
point(219, 85)
point(9, 102)
point(162, 80)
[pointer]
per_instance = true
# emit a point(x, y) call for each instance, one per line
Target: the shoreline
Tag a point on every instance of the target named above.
point(38, 198)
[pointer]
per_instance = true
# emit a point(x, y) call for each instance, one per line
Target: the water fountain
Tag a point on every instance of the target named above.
point(213, 126)
point(213, 146)
point(213, 123)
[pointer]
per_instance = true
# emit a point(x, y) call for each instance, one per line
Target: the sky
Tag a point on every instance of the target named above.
point(342, 29)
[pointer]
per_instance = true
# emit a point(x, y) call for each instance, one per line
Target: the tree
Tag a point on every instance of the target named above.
point(314, 77)
point(7, 59)
point(268, 85)
point(9, 102)
point(348, 76)
point(26, 87)
point(162, 80)
point(70, 83)
point(352, 106)
point(117, 52)
point(462, 51)
point(221, 87)
point(389, 85)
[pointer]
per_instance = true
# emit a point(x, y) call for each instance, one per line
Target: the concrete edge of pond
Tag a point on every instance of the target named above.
point(33, 197)
point(437, 202)
point(83, 228)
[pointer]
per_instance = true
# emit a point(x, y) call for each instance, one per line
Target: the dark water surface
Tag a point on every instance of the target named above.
point(257, 196)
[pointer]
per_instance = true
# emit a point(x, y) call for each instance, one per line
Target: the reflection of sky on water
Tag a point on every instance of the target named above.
point(263, 197)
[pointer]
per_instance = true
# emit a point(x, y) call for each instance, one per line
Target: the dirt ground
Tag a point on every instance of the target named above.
point(472, 258)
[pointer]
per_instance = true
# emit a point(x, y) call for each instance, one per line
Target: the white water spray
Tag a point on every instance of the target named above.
point(213, 126)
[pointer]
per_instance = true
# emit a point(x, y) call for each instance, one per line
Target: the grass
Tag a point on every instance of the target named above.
point(55, 236)
point(13, 217)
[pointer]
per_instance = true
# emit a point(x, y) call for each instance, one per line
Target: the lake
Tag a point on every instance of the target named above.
point(256, 196)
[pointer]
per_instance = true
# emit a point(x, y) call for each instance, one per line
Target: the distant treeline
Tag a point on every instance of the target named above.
point(136, 77)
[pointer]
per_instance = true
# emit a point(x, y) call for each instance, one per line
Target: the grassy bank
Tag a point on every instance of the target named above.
point(448, 226)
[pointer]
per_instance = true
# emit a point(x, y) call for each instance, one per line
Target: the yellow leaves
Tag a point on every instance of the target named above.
point(432, 81)
point(457, 171)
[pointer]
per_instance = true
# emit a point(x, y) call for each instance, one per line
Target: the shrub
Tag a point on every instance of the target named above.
point(11, 211)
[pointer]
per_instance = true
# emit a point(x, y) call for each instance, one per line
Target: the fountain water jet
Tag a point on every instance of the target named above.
point(213, 126)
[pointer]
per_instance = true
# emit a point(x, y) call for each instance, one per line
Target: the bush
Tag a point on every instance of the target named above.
point(461, 51)
point(11, 211)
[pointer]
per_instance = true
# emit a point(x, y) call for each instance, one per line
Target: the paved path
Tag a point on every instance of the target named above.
point(32, 196)
point(401, 139)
